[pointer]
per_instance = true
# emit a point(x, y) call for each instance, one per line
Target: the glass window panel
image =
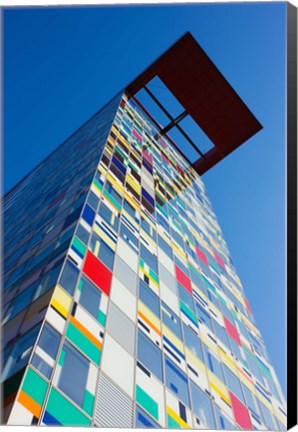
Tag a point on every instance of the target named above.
point(149, 258)
point(222, 421)
point(82, 234)
point(202, 406)
point(150, 355)
point(69, 277)
point(171, 320)
point(73, 362)
point(204, 316)
point(185, 297)
point(212, 363)
point(193, 342)
point(20, 353)
point(233, 383)
point(109, 216)
point(176, 381)
point(102, 251)
point(148, 297)
point(165, 246)
point(143, 420)
point(89, 296)
point(268, 417)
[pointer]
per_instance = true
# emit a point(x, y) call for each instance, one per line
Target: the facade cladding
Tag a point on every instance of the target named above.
point(121, 305)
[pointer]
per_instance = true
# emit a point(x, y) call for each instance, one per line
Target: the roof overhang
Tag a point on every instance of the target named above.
point(206, 96)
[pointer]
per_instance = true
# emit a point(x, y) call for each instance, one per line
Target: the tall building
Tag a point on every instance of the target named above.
point(121, 303)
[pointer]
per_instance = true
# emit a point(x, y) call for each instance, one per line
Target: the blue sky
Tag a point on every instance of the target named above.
point(61, 65)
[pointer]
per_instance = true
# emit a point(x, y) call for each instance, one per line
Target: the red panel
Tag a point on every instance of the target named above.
point(241, 413)
point(183, 279)
point(202, 256)
point(97, 272)
point(219, 260)
point(232, 331)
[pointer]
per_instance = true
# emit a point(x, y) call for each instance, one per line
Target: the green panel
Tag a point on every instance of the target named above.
point(147, 402)
point(83, 343)
point(110, 198)
point(88, 403)
point(79, 245)
point(101, 318)
point(153, 275)
point(34, 386)
point(263, 366)
point(172, 423)
point(188, 312)
point(97, 184)
point(64, 411)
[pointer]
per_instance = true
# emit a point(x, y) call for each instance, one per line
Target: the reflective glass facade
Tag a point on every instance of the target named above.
point(122, 307)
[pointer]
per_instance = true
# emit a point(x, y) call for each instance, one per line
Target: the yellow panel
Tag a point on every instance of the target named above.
point(105, 238)
point(227, 361)
point(115, 184)
point(172, 337)
point(219, 387)
point(178, 419)
point(61, 301)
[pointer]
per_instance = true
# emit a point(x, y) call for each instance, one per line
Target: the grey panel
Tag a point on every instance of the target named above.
point(167, 278)
point(125, 275)
point(113, 408)
point(121, 328)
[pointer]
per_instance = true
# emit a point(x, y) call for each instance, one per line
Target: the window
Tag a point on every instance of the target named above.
point(20, 353)
point(204, 316)
point(233, 383)
point(149, 258)
point(69, 277)
point(89, 296)
point(108, 216)
point(102, 251)
point(143, 420)
point(185, 297)
point(165, 246)
point(176, 381)
point(213, 364)
point(222, 421)
point(202, 406)
point(148, 297)
point(268, 417)
point(170, 319)
point(129, 237)
point(21, 301)
point(167, 278)
point(72, 383)
point(150, 355)
point(221, 333)
point(82, 234)
point(192, 342)
point(46, 351)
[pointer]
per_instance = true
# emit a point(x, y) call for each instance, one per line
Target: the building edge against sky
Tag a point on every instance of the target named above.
point(198, 302)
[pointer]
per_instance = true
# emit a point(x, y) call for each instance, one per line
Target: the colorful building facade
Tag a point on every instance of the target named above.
point(121, 304)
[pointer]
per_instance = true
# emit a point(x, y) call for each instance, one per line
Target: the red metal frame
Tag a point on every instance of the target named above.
point(206, 95)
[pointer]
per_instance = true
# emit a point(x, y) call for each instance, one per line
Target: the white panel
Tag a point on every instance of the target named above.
point(118, 364)
point(154, 389)
point(166, 261)
point(92, 378)
point(127, 254)
point(87, 321)
point(124, 299)
point(20, 416)
point(169, 298)
point(55, 320)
